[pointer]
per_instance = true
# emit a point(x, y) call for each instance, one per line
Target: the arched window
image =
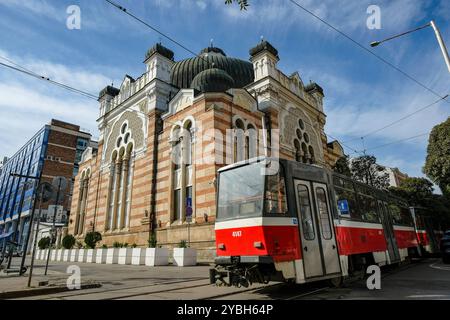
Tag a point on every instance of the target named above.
point(311, 154)
point(182, 141)
point(121, 175)
point(239, 141)
point(298, 153)
point(251, 142)
point(304, 153)
point(82, 202)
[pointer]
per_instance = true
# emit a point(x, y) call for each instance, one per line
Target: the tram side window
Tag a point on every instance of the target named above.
point(400, 214)
point(305, 211)
point(275, 200)
point(346, 203)
point(322, 205)
point(368, 208)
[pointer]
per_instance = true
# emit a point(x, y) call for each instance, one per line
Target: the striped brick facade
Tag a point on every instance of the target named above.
point(152, 182)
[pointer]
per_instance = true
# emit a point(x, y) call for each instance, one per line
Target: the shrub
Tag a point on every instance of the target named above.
point(92, 238)
point(104, 246)
point(44, 243)
point(182, 244)
point(117, 244)
point(134, 245)
point(152, 242)
point(125, 245)
point(68, 241)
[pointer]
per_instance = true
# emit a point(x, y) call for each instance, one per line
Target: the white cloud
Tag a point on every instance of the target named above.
point(39, 7)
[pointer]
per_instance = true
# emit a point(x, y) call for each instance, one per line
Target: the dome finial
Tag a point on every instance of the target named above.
point(262, 38)
point(211, 42)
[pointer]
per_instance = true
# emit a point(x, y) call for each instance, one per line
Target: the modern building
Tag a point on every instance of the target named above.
point(2, 163)
point(54, 150)
point(395, 176)
point(160, 131)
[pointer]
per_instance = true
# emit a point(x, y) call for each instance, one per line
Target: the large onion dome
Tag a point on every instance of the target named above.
point(183, 72)
point(212, 80)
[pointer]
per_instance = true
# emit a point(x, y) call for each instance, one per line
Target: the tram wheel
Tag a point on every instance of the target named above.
point(336, 282)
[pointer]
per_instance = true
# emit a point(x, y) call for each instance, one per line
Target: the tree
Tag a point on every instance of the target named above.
point(68, 241)
point(365, 169)
point(44, 243)
point(415, 190)
point(342, 166)
point(437, 165)
point(92, 238)
point(242, 3)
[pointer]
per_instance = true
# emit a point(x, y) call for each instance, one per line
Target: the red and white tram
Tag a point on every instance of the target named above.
point(283, 220)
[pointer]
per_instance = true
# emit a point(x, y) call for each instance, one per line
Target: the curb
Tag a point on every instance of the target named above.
point(42, 291)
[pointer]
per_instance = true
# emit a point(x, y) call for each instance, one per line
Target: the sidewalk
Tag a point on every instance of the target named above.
point(95, 275)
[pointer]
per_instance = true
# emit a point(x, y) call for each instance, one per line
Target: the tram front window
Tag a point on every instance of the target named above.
point(241, 192)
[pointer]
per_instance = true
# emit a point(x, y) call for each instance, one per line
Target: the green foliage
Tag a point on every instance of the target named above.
point(437, 165)
point(120, 245)
point(366, 170)
point(419, 192)
point(243, 4)
point(182, 244)
point(44, 243)
point(104, 246)
point(134, 245)
point(152, 242)
point(92, 238)
point(68, 241)
point(342, 166)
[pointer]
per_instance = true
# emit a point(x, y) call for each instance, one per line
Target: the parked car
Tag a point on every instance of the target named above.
point(445, 247)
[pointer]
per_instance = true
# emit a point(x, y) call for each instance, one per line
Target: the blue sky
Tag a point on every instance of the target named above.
point(362, 94)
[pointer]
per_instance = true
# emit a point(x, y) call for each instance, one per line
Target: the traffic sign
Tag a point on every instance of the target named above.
point(45, 192)
point(343, 207)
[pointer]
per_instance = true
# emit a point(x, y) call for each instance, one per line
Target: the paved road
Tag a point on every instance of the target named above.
point(427, 279)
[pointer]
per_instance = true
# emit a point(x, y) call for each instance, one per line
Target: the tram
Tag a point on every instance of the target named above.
point(281, 220)
point(429, 232)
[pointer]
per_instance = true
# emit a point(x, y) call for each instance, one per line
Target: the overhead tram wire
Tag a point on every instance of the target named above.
point(399, 120)
point(123, 9)
point(47, 79)
point(394, 142)
point(358, 44)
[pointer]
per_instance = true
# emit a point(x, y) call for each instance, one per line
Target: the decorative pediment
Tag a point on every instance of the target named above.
point(183, 99)
point(243, 99)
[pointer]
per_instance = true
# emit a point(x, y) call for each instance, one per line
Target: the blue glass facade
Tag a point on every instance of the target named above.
point(29, 160)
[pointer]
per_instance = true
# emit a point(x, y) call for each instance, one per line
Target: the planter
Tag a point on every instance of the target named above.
point(156, 257)
point(184, 257)
point(82, 255)
point(100, 255)
point(53, 255)
point(74, 255)
point(91, 255)
point(66, 255)
point(137, 256)
point(59, 254)
point(124, 256)
point(112, 255)
point(44, 254)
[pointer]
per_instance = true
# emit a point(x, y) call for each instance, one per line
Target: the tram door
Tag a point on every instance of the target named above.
point(389, 234)
point(320, 255)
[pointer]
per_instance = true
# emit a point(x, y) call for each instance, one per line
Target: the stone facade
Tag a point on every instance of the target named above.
point(132, 186)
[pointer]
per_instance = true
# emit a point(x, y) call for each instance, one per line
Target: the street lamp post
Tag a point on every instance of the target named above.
point(437, 34)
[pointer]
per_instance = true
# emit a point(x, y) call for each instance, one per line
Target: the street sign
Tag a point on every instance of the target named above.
point(343, 207)
point(46, 192)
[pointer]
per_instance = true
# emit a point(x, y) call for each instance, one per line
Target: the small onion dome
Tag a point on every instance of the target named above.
point(264, 46)
point(313, 87)
point(213, 50)
point(212, 80)
point(159, 48)
point(109, 90)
